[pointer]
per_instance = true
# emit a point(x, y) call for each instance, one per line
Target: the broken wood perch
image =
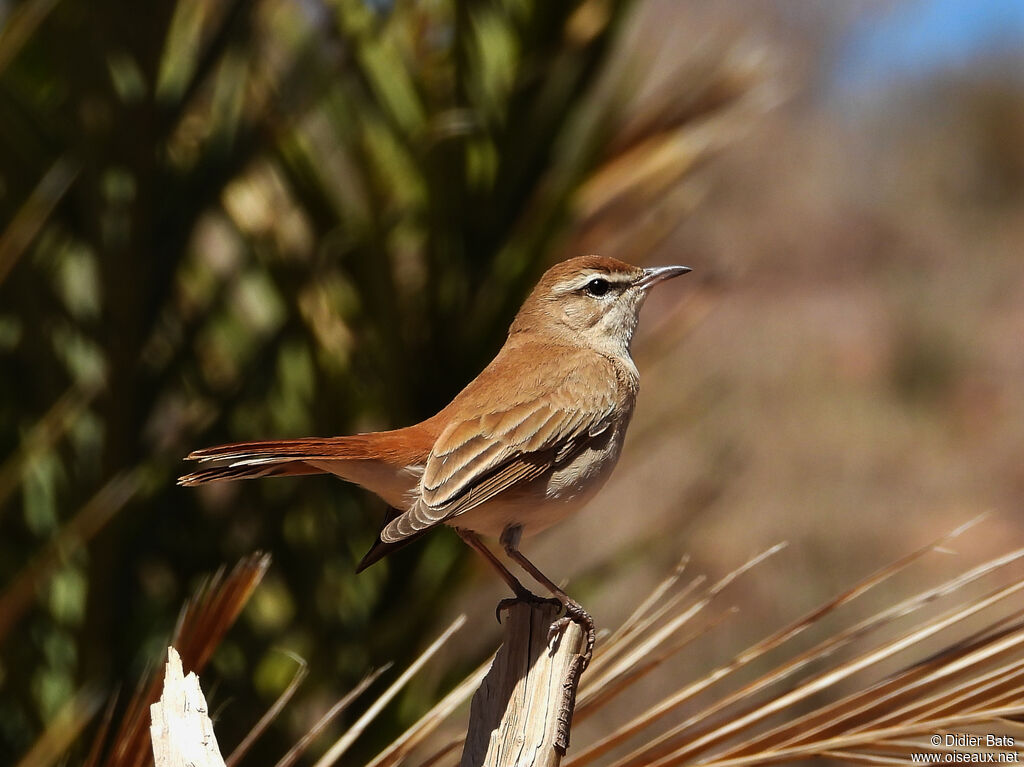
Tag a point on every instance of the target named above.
point(181, 729)
point(521, 714)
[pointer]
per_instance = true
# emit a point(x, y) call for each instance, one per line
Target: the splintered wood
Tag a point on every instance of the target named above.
point(515, 716)
point(181, 730)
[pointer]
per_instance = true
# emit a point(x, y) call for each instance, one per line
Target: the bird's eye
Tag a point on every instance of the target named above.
point(597, 287)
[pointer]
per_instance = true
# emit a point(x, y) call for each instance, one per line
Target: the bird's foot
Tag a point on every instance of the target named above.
point(574, 613)
point(524, 596)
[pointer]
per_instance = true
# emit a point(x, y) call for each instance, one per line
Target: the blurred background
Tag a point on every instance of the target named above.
point(225, 220)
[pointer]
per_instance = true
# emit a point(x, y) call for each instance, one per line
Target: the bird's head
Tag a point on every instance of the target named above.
point(594, 300)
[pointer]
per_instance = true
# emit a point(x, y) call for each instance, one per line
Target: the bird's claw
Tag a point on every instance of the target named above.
point(573, 612)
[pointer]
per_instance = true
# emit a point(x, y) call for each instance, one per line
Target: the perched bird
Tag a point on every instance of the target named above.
point(528, 441)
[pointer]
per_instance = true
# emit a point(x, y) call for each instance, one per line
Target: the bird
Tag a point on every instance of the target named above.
point(527, 442)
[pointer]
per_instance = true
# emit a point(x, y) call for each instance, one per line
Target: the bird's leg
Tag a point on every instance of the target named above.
point(574, 612)
point(522, 594)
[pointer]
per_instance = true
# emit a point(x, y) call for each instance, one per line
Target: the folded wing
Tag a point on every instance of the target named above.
point(488, 453)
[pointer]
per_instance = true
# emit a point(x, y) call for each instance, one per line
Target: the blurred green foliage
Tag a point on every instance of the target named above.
point(229, 220)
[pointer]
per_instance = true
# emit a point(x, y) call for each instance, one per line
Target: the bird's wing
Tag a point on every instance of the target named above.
point(480, 456)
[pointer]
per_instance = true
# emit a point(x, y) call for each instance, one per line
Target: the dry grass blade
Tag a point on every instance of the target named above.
point(634, 635)
point(687, 693)
point(978, 687)
point(648, 640)
point(833, 717)
point(684, 748)
point(603, 690)
point(210, 613)
point(971, 681)
point(853, 708)
point(904, 681)
point(300, 748)
point(271, 714)
point(656, 606)
point(869, 738)
point(861, 710)
point(978, 678)
point(621, 640)
point(342, 744)
point(648, 605)
point(397, 751)
point(203, 623)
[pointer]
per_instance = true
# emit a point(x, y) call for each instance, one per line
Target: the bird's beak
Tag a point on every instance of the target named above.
point(656, 274)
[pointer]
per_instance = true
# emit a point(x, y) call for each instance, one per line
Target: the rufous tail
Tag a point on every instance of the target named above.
point(272, 458)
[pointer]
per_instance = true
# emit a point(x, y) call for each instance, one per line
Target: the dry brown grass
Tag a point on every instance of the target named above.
point(944, 659)
point(948, 658)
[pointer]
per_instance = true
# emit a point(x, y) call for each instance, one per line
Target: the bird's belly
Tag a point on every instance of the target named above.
point(548, 499)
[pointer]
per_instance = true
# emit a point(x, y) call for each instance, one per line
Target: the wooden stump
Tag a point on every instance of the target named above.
point(180, 727)
point(514, 717)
